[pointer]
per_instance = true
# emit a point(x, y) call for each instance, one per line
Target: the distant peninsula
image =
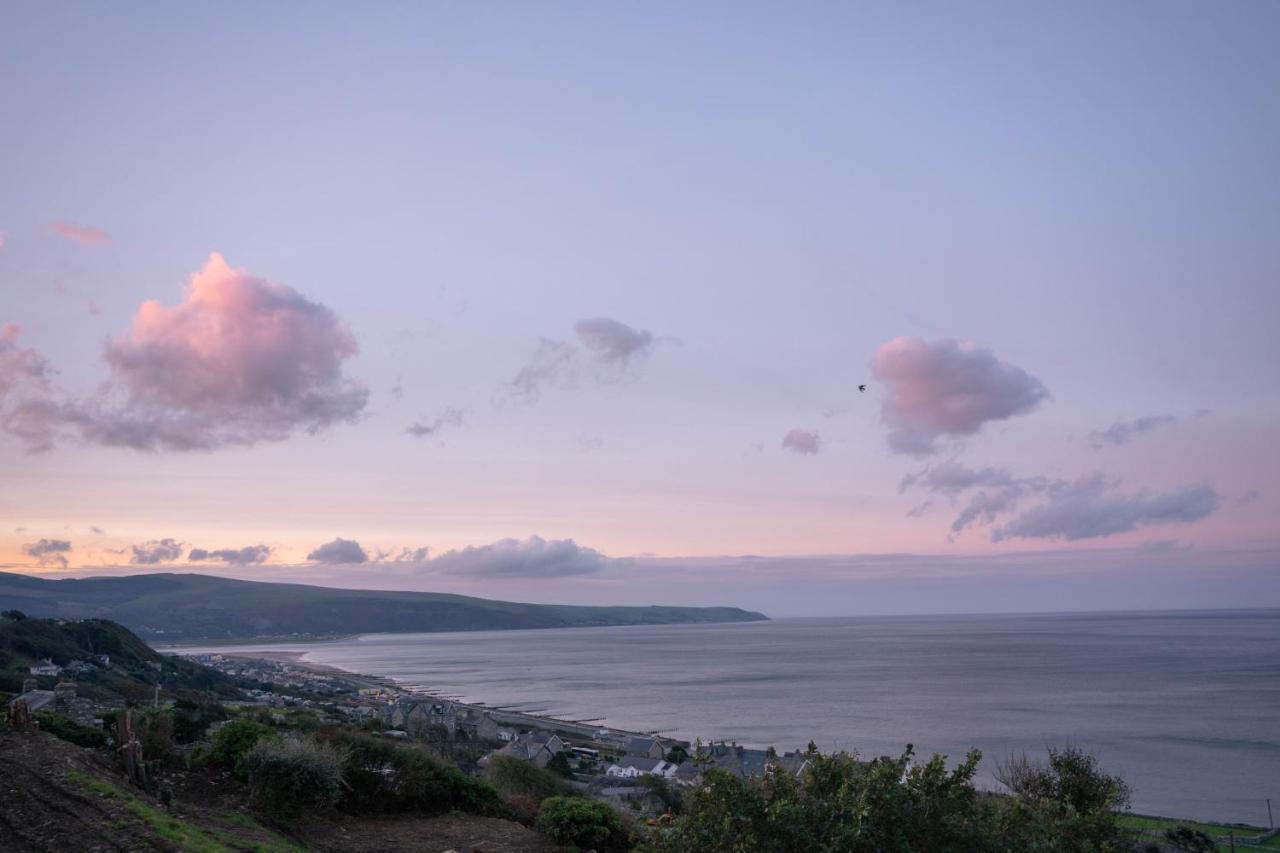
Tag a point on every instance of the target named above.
point(183, 607)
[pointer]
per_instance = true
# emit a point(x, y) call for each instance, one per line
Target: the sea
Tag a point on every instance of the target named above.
point(1184, 705)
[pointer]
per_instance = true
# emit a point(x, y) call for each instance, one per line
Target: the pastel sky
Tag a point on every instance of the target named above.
point(571, 302)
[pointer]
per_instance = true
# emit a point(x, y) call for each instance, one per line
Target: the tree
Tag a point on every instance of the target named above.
point(586, 824)
point(837, 804)
point(677, 754)
point(1068, 802)
point(15, 615)
point(559, 764)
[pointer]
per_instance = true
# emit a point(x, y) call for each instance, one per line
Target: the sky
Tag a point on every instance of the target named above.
point(573, 302)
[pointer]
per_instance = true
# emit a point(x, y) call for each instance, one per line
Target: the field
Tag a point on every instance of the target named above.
point(1158, 825)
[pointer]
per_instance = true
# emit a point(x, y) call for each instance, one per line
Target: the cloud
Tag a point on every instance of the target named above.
point(48, 552)
point(611, 344)
point(553, 364)
point(96, 529)
point(238, 362)
point(448, 418)
point(405, 555)
point(80, 233)
point(919, 509)
point(246, 556)
point(1000, 490)
point(1087, 508)
point(19, 368)
point(802, 441)
point(1121, 432)
point(4, 238)
point(947, 388)
point(155, 551)
point(611, 341)
point(951, 478)
point(339, 551)
point(985, 506)
point(533, 557)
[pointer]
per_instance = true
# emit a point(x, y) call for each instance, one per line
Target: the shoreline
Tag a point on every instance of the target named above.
point(589, 730)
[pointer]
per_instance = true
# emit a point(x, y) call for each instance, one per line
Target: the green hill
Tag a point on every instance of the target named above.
point(191, 607)
point(114, 662)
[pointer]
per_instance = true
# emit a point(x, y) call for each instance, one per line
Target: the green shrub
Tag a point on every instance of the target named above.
point(232, 740)
point(191, 719)
point(896, 804)
point(588, 824)
point(289, 776)
point(515, 778)
point(154, 727)
point(560, 766)
point(69, 730)
point(383, 776)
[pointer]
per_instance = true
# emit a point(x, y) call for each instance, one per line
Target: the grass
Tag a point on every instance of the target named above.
point(1157, 826)
point(186, 835)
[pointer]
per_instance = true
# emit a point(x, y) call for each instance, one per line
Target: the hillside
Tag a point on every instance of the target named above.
point(114, 663)
point(191, 607)
point(58, 797)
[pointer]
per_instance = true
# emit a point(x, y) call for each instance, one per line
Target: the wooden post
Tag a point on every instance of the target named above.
point(20, 716)
point(131, 749)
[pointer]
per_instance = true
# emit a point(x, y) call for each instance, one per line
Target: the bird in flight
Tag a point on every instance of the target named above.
point(862, 387)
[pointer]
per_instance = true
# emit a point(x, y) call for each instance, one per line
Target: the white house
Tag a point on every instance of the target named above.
point(637, 765)
point(45, 667)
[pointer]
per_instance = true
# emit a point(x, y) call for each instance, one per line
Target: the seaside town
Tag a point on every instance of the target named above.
point(618, 766)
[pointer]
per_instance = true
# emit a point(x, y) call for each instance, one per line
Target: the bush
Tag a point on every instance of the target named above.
point(588, 824)
point(1068, 800)
point(191, 719)
point(154, 727)
point(523, 809)
point(560, 766)
point(288, 776)
point(70, 731)
point(385, 777)
point(233, 740)
point(515, 778)
point(896, 804)
point(837, 804)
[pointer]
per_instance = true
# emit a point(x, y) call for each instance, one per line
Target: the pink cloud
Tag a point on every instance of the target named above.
point(239, 361)
point(19, 367)
point(947, 388)
point(802, 441)
point(81, 233)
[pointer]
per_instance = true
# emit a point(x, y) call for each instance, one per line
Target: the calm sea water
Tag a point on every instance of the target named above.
point(1186, 706)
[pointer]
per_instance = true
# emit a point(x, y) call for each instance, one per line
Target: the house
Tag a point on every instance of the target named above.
point(633, 766)
point(476, 725)
point(536, 747)
point(736, 760)
point(646, 746)
point(420, 717)
point(44, 667)
point(37, 700)
point(627, 793)
point(61, 700)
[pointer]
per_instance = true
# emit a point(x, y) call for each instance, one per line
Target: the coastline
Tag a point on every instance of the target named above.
point(589, 731)
point(615, 737)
